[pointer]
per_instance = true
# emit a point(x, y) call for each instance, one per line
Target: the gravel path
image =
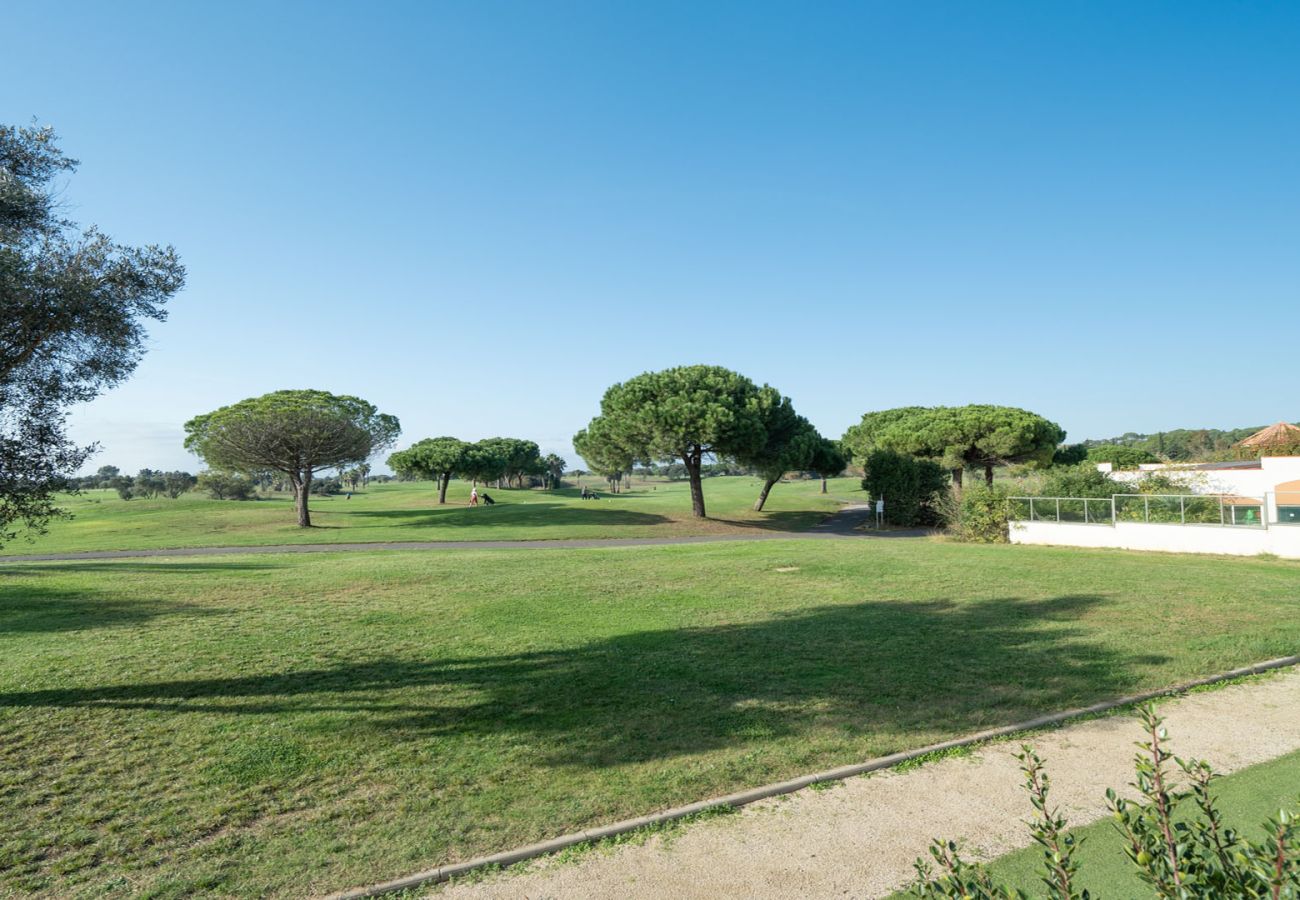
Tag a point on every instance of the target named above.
point(858, 840)
point(842, 524)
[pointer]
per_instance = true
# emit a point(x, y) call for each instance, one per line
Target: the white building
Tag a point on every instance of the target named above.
point(1273, 481)
point(1240, 508)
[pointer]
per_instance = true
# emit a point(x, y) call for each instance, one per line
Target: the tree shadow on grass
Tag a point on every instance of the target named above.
point(29, 607)
point(538, 514)
point(35, 610)
point(785, 520)
point(872, 667)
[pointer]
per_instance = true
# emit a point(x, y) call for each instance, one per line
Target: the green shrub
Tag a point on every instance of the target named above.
point(1180, 855)
point(910, 487)
point(1121, 457)
point(1081, 481)
point(227, 486)
point(1069, 455)
point(979, 514)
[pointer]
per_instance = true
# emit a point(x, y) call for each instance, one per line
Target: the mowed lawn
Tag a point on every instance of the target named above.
point(283, 725)
point(409, 511)
point(1246, 799)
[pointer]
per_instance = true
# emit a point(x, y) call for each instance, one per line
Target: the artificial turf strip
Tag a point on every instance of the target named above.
point(282, 725)
point(1246, 798)
point(409, 511)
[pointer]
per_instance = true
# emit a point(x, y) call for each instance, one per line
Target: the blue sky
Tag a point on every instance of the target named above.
point(480, 215)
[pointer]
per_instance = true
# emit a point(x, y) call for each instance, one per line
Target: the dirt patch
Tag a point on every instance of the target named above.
point(860, 840)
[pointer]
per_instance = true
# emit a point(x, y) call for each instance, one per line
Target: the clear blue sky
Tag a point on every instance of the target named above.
point(480, 215)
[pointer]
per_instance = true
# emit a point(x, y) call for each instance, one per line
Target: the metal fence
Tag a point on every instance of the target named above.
point(1229, 510)
point(1087, 510)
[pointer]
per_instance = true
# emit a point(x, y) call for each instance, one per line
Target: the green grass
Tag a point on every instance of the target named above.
point(1247, 798)
point(410, 512)
point(283, 725)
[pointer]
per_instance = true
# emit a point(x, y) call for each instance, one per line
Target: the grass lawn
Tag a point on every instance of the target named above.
point(410, 512)
point(280, 725)
point(1247, 798)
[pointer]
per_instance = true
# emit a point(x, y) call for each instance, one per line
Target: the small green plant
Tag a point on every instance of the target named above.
point(1181, 856)
point(979, 514)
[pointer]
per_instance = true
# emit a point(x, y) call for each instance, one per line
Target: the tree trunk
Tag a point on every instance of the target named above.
point(302, 489)
point(956, 479)
point(823, 484)
point(692, 461)
point(762, 495)
point(442, 487)
point(988, 474)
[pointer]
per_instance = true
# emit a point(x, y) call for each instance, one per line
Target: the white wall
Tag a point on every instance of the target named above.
point(1282, 540)
point(1272, 471)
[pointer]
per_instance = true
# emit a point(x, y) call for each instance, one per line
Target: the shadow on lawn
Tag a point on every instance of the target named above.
point(543, 513)
point(922, 668)
point(31, 608)
point(792, 520)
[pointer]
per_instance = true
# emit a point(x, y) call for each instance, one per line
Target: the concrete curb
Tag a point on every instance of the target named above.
point(742, 798)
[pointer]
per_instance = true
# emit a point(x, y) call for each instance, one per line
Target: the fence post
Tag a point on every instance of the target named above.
point(1113, 518)
point(1220, 509)
point(1058, 510)
point(1182, 509)
point(1146, 510)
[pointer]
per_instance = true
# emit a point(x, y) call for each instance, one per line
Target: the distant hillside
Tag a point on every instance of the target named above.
point(1183, 444)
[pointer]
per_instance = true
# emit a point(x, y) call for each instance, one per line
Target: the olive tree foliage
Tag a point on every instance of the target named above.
point(979, 436)
point(295, 433)
point(227, 486)
point(1173, 832)
point(683, 413)
point(434, 459)
point(73, 306)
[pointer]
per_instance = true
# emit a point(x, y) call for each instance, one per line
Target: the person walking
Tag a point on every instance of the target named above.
point(473, 496)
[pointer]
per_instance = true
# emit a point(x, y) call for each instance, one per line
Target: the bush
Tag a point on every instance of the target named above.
point(910, 487)
point(327, 487)
point(1190, 854)
point(1121, 457)
point(1069, 455)
point(978, 514)
point(177, 483)
point(124, 485)
point(1081, 481)
point(227, 486)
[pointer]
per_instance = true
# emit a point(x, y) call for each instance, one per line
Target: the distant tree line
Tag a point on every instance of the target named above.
point(506, 462)
point(147, 483)
point(1182, 444)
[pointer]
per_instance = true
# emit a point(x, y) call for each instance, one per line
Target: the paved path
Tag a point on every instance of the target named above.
point(858, 840)
point(842, 524)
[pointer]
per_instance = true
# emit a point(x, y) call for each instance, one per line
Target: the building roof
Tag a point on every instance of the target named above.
point(1282, 434)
